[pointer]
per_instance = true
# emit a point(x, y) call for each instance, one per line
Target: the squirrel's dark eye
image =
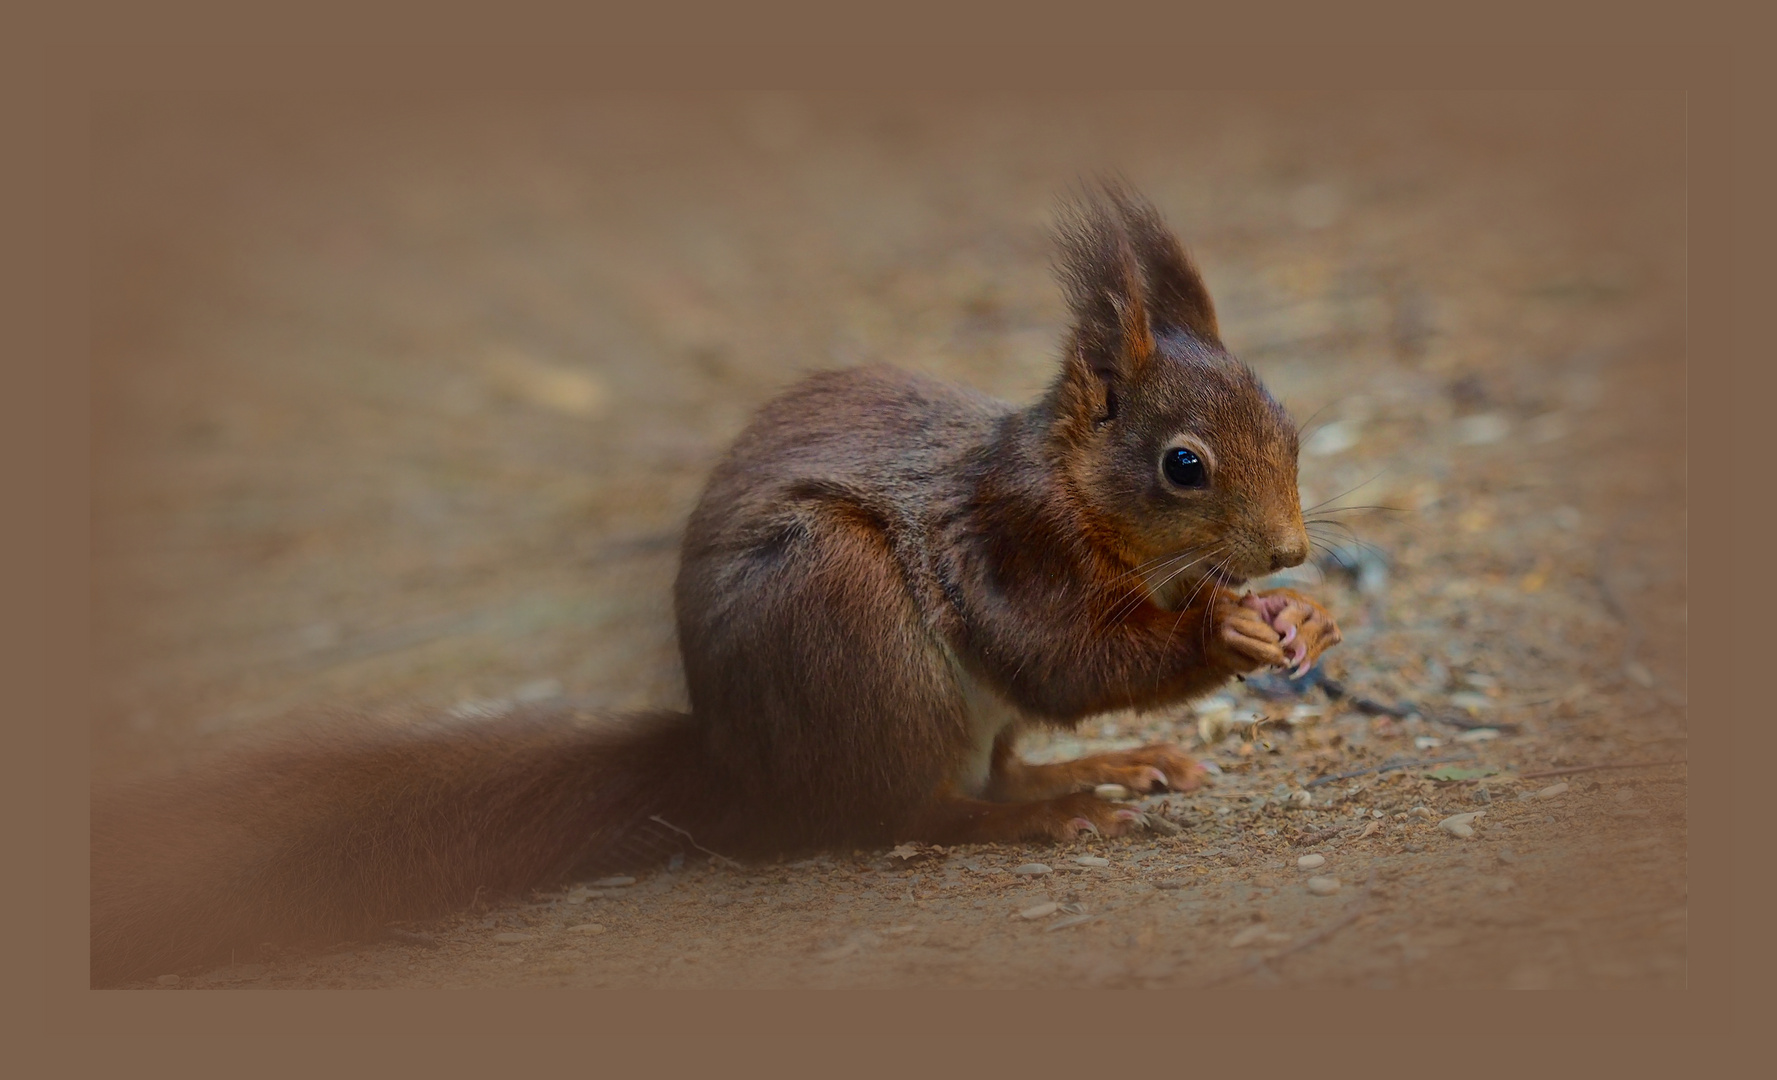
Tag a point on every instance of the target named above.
point(1183, 468)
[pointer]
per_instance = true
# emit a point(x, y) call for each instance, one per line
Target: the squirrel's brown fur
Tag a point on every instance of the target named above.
point(885, 579)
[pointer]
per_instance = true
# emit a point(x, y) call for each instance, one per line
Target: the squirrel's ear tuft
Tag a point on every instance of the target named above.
point(1176, 297)
point(1126, 277)
point(1112, 340)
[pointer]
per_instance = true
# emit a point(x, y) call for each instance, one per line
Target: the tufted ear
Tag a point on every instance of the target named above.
point(1177, 299)
point(1111, 342)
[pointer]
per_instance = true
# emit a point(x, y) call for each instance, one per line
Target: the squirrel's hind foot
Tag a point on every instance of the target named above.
point(977, 821)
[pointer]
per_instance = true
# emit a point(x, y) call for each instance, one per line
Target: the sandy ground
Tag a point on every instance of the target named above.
point(410, 406)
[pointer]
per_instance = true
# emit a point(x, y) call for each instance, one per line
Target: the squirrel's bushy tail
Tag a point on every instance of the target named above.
point(332, 837)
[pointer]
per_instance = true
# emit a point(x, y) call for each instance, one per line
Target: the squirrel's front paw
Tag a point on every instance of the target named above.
point(1304, 629)
point(1244, 639)
point(1154, 768)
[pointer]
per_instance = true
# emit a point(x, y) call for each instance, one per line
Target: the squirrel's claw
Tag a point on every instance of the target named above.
point(1296, 660)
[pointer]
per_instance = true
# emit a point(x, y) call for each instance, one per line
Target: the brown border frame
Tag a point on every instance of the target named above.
point(1705, 65)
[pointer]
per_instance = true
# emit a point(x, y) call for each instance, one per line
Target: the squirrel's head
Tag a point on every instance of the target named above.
point(1163, 436)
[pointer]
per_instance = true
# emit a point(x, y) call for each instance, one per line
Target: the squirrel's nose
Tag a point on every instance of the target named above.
point(1291, 552)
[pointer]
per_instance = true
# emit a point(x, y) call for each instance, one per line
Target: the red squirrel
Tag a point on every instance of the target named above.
point(885, 580)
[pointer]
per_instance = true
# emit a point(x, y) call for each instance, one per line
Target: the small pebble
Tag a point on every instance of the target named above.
point(1301, 714)
point(1323, 886)
point(1031, 869)
point(1162, 824)
point(1482, 429)
point(1311, 862)
point(1257, 932)
point(1333, 438)
point(1040, 911)
point(1420, 812)
point(1427, 742)
point(1301, 798)
point(1458, 824)
point(1215, 727)
point(1480, 734)
point(1112, 792)
point(613, 882)
point(1092, 860)
point(511, 938)
point(1552, 790)
point(588, 928)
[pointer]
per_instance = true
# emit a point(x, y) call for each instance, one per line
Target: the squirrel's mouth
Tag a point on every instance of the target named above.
point(1174, 593)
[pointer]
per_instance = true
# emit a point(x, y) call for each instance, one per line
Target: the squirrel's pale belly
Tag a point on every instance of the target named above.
point(987, 714)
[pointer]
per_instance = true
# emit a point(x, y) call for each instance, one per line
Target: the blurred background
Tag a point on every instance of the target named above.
point(401, 403)
point(406, 404)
